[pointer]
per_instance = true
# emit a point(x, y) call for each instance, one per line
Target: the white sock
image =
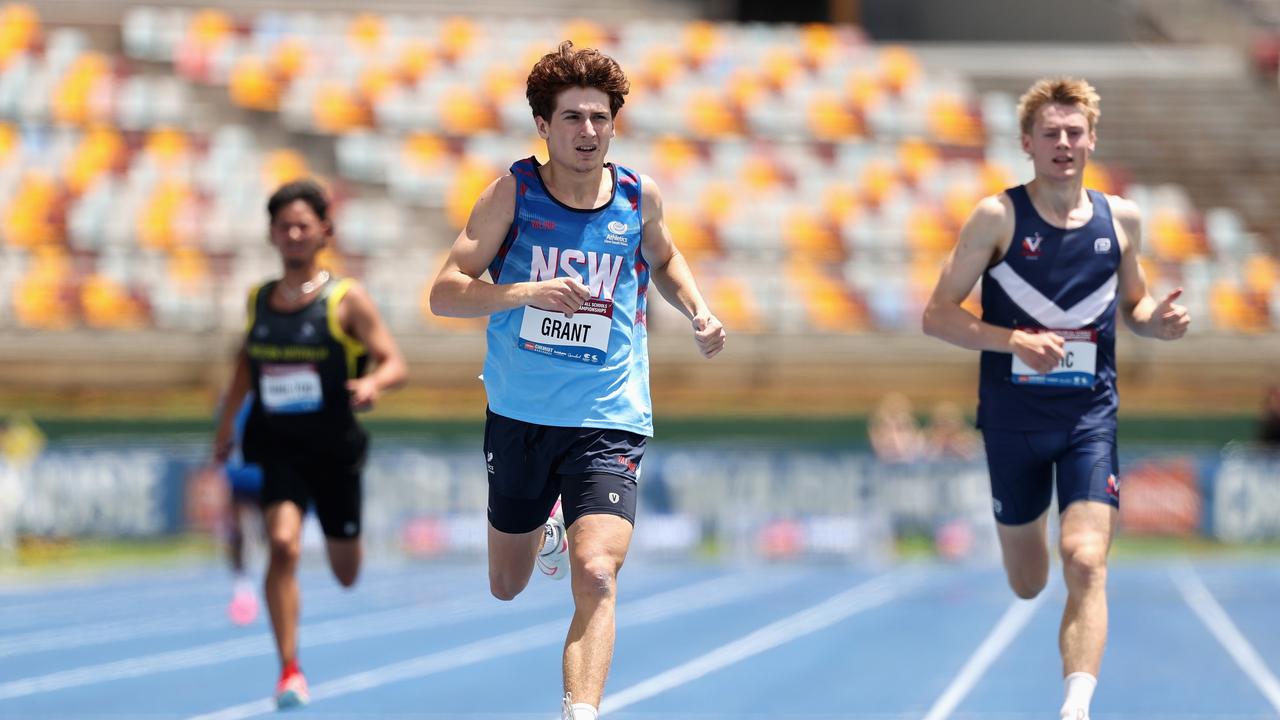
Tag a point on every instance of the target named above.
point(1079, 691)
point(578, 711)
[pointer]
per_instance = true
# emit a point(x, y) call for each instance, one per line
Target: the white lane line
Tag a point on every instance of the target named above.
point(690, 598)
point(342, 629)
point(1005, 630)
point(865, 596)
point(1215, 618)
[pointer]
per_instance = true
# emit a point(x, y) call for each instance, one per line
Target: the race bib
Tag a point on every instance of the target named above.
point(581, 338)
point(291, 389)
point(1077, 368)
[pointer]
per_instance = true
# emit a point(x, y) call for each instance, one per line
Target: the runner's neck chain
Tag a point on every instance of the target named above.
point(306, 288)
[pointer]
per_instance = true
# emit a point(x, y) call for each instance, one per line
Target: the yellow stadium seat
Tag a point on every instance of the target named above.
point(290, 58)
point(209, 28)
point(253, 85)
point(831, 119)
point(718, 201)
point(19, 31)
point(188, 269)
point(42, 305)
point(746, 87)
point(1172, 238)
point(417, 58)
point(9, 140)
point(465, 111)
point(585, 33)
point(472, 178)
point(760, 174)
point(337, 109)
point(951, 122)
point(375, 80)
point(690, 234)
point(899, 68)
point(779, 66)
point(167, 146)
point(994, 178)
point(99, 151)
point(662, 66)
point(27, 221)
point(709, 115)
point(927, 233)
point(734, 305)
point(878, 179)
point(918, 160)
point(165, 220)
point(366, 31)
point(840, 202)
point(863, 90)
point(829, 305)
point(1261, 274)
point(674, 156)
point(105, 304)
point(70, 103)
point(957, 204)
point(282, 166)
point(701, 40)
point(809, 235)
point(819, 44)
point(458, 36)
point(1234, 309)
point(426, 151)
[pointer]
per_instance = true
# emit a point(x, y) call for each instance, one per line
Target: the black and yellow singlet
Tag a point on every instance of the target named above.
point(300, 361)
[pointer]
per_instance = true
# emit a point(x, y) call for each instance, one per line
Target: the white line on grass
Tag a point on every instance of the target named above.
point(1005, 630)
point(862, 597)
point(1219, 623)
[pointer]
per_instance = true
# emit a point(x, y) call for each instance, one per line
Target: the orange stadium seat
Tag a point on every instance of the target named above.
point(28, 221)
point(830, 118)
point(828, 304)
point(337, 108)
point(472, 178)
point(366, 32)
point(458, 37)
point(42, 298)
point(464, 110)
point(710, 115)
point(165, 220)
point(72, 101)
point(108, 305)
point(899, 69)
point(734, 304)
point(918, 160)
point(19, 31)
point(290, 58)
point(701, 41)
point(100, 150)
point(807, 234)
point(282, 166)
point(253, 84)
point(415, 60)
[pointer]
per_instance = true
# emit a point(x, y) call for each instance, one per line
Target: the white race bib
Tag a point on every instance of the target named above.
point(1077, 368)
point(291, 389)
point(582, 338)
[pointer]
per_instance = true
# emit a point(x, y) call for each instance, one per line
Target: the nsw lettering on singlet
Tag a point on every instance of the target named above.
point(584, 336)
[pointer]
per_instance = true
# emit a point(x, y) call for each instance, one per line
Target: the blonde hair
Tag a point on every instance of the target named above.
point(1058, 91)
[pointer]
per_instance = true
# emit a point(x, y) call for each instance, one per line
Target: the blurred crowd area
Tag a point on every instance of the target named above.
point(815, 179)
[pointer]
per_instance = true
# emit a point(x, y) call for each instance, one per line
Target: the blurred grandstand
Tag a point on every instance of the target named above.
point(817, 178)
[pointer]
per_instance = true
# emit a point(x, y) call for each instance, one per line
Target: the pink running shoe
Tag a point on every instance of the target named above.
point(244, 605)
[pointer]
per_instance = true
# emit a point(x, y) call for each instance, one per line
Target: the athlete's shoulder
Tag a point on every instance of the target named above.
point(1124, 209)
point(993, 211)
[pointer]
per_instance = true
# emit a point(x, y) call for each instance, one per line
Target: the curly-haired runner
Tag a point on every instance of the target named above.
point(569, 248)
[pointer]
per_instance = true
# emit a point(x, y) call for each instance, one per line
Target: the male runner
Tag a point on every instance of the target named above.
point(309, 336)
point(569, 248)
point(1056, 260)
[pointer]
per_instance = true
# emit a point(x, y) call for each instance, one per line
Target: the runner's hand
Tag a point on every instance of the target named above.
point(364, 391)
point(709, 334)
point(562, 294)
point(1040, 351)
point(1169, 319)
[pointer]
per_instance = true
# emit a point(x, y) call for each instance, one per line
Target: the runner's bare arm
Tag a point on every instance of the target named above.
point(1165, 320)
point(459, 291)
point(360, 316)
point(671, 274)
point(224, 437)
point(946, 319)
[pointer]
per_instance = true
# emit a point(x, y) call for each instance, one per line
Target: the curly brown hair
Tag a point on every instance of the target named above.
point(565, 68)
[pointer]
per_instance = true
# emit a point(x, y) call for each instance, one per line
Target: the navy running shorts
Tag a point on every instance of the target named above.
point(1023, 465)
point(593, 470)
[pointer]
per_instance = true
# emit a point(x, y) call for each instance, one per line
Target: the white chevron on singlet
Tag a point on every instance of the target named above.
point(1047, 312)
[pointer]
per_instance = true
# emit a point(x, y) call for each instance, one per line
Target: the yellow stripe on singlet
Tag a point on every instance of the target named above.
point(352, 347)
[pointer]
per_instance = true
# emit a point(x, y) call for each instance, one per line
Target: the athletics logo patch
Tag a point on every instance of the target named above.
point(1031, 246)
point(1102, 246)
point(613, 498)
point(1113, 486)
